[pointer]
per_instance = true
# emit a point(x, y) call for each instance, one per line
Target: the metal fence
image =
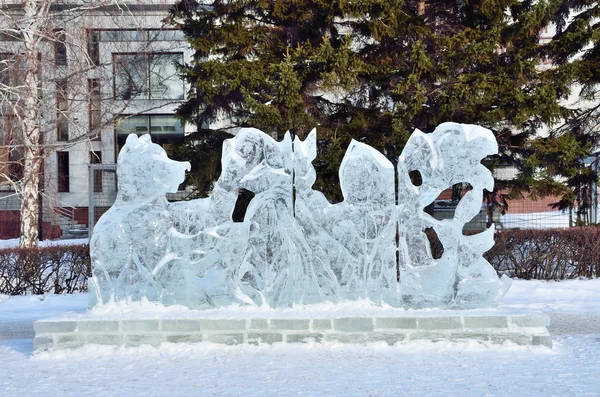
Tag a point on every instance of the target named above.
point(521, 214)
point(102, 191)
point(538, 219)
point(542, 214)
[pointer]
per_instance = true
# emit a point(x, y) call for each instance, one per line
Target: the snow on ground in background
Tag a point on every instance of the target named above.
point(14, 242)
point(17, 313)
point(535, 220)
point(34, 307)
point(569, 296)
point(330, 369)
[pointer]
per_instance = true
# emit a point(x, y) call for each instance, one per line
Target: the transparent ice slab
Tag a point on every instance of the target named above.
point(293, 246)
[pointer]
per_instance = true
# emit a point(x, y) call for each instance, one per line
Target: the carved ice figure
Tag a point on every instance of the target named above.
point(258, 163)
point(293, 246)
point(319, 250)
point(219, 260)
point(365, 224)
point(352, 243)
point(461, 277)
point(275, 269)
point(244, 265)
point(132, 248)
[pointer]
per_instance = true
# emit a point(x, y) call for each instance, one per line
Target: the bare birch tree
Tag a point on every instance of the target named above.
point(49, 77)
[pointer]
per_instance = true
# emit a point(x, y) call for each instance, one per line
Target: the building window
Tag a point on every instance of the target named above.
point(165, 82)
point(96, 158)
point(166, 35)
point(5, 64)
point(131, 76)
point(12, 68)
point(123, 35)
point(63, 171)
point(94, 46)
point(62, 105)
point(147, 76)
point(60, 48)
point(11, 148)
point(95, 110)
point(127, 35)
point(6, 127)
point(162, 128)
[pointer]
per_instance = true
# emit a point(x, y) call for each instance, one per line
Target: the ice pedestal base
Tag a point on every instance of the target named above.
point(522, 329)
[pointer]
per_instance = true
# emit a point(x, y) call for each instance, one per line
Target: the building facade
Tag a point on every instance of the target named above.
point(107, 70)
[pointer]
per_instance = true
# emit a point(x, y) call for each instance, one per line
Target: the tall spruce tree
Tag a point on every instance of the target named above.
point(575, 53)
point(374, 70)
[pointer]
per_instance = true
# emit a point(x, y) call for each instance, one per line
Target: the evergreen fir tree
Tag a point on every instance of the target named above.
point(374, 70)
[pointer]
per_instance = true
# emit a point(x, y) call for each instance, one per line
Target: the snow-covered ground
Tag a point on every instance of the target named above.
point(571, 368)
point(536, 220)
point(14, 242)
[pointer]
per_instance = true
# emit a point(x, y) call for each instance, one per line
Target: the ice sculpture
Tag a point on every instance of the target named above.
point(264, 274)
point(131, 247)
point(293, 246)
point(351, 245)
point(461, 277)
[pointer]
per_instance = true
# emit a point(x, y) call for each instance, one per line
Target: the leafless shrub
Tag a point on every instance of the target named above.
point(55, 269)
point(554, 254)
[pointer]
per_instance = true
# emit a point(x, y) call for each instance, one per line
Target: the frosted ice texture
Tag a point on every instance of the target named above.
point(350, 245)
point(131, 246)
point(461, 277)
point(293, 246)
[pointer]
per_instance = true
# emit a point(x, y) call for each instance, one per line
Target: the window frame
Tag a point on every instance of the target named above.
point(149, 35)
point(147, 58)
point(60, 48)
point(156, 138)
point(94, 107)
point(62, 107)
point(63, 172)
point(93, 46)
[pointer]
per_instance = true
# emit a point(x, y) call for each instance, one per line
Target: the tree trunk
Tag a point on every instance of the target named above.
point(29, 200)
point(33, 151)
